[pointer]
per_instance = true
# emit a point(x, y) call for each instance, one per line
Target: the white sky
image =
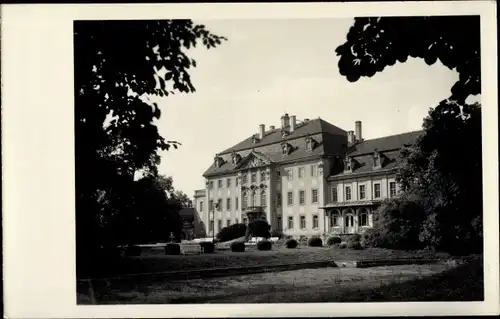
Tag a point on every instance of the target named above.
point(269, 67)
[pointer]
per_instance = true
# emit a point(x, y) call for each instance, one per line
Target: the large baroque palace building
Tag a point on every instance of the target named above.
point(305, 177)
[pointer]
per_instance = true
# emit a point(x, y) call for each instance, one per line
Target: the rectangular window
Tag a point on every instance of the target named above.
point(290, 222)
point(228, 204)
point(301, 172)
point(278, 199)
point(348, 193)
point(278, 220)
point(245, 178)
point(245, 220)
point(211, 184)
point(289, 198)
point(314, 170)
point(236, 181)
point(254, 178)
point(289, 173)
point(302, 222)
point(362, 192)
point(314, 196)
point(219, 183)
point(334, 195)
point(228, 223)
point(228, 182)
point(278, 173)
point(302, 197)
point(392, 189)
point(219, 204)
point(236, 203)
point(376, 190)
point(315, 222)
point(211, 205)
point(262, 176)
point(201, 206)
point(211, 226)
point(219, 224)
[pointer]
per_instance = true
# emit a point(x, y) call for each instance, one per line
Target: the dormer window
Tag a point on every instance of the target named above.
point(310, 143)
point(235, 158)
point(255, 139)
point(285, 148)
point(284, 133)
point(348, 164)
point(218, 161)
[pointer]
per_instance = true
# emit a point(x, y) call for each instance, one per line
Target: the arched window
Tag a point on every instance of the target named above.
point(363, 217)
point(254, 199)
point(349, 219)
point(244, 198)
point(263, 199)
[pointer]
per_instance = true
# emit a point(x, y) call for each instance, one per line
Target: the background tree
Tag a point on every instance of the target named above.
point(443, 168)
point(375, 43)
point(118, 64)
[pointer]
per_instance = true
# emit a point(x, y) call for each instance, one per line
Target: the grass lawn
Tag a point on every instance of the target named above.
point(433, 282)
point(154, 260)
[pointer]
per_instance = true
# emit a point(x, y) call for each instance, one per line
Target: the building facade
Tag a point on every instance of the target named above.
point(305, 177)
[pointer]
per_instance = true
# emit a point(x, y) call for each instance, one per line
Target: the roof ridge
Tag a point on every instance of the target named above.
point(392, 135)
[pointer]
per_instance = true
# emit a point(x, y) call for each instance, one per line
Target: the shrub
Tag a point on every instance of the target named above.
point(372, 238)
point(172, 249)
point(207, 247)
point(315, 242)
point(342, 245)
point(231, 232)
point(291, 243)
point(264, 245)
point(133, 251)
point(260, 228)
point(238, 246)
point(333, 241)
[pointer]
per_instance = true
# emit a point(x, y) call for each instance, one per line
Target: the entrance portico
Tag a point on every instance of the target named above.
point(349, 217)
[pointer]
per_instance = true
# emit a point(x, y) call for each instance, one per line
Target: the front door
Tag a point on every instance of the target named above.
point(349, 224)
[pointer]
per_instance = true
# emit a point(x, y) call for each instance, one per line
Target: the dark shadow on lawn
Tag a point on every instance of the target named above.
point(463, 283)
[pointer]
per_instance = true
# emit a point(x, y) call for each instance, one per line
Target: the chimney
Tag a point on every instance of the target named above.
point(285, 121)
point(272, 127)
point(293, 123)
point(350, 137)
point(359, 137)
point(262, 130)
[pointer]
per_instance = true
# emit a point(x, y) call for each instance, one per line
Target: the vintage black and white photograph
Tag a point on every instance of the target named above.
point(258, 159)
point(278, 161)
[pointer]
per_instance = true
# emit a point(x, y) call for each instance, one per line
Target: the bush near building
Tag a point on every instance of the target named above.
point(238, 246)
point(333, 240)
point(291, 243)
point(315, 242)
point(207, 247)
point(231, 232)
point(264, 245)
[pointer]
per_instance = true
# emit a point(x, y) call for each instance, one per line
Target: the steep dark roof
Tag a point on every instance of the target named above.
point(387, 143)
point(362, 155)
point(303, 129)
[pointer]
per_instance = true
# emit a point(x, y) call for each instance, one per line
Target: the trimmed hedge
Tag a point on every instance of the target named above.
point(172, 249)
point(207, 247)
point(238, 246)
point(315, 242)
point(231, 232)
point(333, 241)
point(133, 251)
point(291, 243)
point(264, 245)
